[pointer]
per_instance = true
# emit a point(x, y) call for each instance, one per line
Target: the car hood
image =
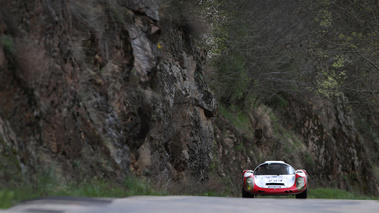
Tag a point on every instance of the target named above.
point(266, 181)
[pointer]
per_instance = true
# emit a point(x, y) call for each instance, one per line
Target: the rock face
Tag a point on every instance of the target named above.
point(337, 154)
point(83, 89)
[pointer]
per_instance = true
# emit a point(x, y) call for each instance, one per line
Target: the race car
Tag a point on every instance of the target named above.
point(274, 178)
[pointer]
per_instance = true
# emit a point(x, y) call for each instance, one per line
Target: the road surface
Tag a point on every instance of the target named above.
point(193, 204)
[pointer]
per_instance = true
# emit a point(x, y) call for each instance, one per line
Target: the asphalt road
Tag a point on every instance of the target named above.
point(184, 204)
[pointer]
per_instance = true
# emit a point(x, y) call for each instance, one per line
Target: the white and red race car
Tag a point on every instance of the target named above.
point(274, 178)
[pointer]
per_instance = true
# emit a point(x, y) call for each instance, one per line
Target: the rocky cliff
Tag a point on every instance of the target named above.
point(86, 90)
point(98, 89)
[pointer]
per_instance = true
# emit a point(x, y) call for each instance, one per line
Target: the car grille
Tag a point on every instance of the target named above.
point(274, 184)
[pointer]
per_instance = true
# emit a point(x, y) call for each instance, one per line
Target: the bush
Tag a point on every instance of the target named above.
point(7, 43)
point(48, 185)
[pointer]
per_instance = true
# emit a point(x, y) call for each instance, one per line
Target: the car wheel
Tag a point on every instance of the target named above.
point(302, 195)
point(246, 194)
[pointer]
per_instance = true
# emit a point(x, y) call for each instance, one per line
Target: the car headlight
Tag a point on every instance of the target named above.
point(300, 183)
point(249, 183)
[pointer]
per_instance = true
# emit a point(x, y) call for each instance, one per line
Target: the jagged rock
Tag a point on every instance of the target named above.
point(146, 54)
point(148, 7)
point(102, 97)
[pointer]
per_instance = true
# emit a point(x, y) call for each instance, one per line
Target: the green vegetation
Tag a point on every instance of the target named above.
point(119, 16)
point(48, 185)
point(318, 193)
point(331, 193)
point(7, 43)
point(260, 51)
point(238, 118)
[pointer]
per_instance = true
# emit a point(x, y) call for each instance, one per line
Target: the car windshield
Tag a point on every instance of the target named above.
point(274, 169)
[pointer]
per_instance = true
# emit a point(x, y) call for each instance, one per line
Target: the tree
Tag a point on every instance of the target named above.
point(345, 45)
point(323, 47)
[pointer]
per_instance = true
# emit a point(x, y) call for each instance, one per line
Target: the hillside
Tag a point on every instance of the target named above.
point(110, 89)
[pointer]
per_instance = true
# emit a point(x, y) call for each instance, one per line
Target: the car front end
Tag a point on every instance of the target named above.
point(274, 178)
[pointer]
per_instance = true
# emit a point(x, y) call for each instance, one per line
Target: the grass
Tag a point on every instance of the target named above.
point(49, 186)
point(239, 119)
point(318, 193)
point(331, 193)
point(131, 186)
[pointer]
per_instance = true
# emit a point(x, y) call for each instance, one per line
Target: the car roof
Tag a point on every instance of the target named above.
point(273, 161)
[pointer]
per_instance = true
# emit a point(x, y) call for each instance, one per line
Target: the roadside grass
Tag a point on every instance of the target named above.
point(48, 186)
point(331, 193)
point(133, 186)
